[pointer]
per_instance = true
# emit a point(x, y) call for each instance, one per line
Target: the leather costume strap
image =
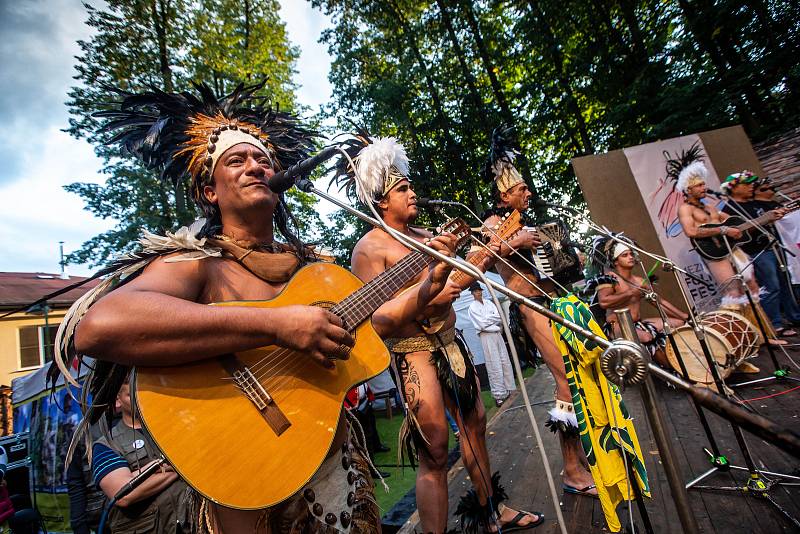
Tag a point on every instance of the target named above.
point(275, 267)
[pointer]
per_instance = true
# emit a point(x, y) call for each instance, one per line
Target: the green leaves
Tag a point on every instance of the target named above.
point(574, 77)
point(138, 44)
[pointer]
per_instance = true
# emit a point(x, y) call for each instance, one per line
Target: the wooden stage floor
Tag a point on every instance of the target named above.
point(514, 453)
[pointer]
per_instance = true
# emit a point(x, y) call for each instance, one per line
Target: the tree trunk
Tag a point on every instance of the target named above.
point(778, 37)
point(246, 25)
point(497, 89)
point(161, 24)
point(639, 48)
point(557, 60)
point(477, 101)
point(451, 145)
point(707, 45)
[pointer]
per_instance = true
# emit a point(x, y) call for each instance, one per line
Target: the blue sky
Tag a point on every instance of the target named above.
point(37, 45)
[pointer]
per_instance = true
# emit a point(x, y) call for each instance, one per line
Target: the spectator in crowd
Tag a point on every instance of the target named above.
point(486, 320)
point(160, 503)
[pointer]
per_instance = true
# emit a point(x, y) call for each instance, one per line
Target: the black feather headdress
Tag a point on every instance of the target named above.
point(602, 253)
point(183, 134)
point(499, 168)
point(683, 167)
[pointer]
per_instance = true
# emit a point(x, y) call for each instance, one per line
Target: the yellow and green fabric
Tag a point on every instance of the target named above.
point(603, 421)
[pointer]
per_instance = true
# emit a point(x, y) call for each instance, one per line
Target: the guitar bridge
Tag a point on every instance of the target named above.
point(255, 392)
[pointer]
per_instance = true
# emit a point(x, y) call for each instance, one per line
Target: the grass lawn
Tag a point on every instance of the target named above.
point(402, 479)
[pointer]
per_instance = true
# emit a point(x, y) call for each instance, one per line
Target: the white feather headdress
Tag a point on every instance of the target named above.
point(692, 174)
point(379, 167)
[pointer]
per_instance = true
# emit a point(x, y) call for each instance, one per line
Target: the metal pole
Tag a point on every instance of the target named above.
point(656, 418)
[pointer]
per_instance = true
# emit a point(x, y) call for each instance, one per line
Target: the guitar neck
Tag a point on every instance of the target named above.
point(765, 218)
point(358, 306)
point(758, 221)
point(476, 259)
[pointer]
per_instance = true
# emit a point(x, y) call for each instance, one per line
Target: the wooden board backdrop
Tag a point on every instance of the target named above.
point(615, 200)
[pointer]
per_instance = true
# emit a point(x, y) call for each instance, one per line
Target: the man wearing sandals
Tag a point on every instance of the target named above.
point(435, 372)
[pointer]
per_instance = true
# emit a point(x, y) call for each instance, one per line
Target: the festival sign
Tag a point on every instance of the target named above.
point(662, 199)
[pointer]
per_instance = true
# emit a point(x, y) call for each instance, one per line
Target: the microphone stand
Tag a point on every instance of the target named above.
point(305, 185)
point(624, 363)
point(755, 485)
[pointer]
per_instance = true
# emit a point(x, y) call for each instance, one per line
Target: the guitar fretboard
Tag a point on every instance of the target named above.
point(362, 303)
point(765, 218)
point(476, 259)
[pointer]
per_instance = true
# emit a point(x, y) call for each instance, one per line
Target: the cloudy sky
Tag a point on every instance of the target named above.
point(37, 45)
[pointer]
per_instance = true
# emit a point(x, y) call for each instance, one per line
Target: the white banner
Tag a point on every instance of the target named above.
point(789, 228)
point(648, 165)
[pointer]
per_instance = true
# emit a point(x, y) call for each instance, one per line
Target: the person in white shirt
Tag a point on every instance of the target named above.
point(486, 320)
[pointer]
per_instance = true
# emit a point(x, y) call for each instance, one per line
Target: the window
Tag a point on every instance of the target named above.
point(36, 345)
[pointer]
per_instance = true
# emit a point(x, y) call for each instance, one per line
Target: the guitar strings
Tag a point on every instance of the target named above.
point(282, 353)
point(349, 305)
point(280, 361)
point(272, 365)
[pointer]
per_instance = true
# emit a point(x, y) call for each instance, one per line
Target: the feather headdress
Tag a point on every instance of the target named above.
point(686, 169)
point(183, 133)
point(380, 164)
point(692, 174)
point(499, 167)
point(605, 249)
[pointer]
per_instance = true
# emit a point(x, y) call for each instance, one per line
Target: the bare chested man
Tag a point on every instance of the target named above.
point(512, 193)
point(161, 317)
point(434, 369)
point(627, 292)
point(693, 213)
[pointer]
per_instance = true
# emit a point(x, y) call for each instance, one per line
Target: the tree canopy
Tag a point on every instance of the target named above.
point(574, 78)
point(166, 44)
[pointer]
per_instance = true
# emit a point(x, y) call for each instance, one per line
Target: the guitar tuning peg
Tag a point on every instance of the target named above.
point(507, 214)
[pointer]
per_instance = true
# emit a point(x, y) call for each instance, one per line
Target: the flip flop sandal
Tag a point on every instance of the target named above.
point(583, 491)
point(786, 332)
point(514, 526)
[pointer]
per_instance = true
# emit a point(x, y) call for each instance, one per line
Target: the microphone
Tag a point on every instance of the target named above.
point(423, 202)
point(539, 203)
point(136, 481)
point(715, 193)
point(284, 180)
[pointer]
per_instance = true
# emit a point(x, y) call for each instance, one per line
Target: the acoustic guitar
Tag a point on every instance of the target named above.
point(714, 247)
point(250, 429)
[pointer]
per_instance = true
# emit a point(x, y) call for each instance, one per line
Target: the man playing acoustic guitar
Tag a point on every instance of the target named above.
point(692, 214)
point(434, 368)
point(776, 293)
point(230, 148)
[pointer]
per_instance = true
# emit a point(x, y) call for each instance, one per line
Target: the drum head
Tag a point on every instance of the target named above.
point(740, 333)
point(693, 357)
